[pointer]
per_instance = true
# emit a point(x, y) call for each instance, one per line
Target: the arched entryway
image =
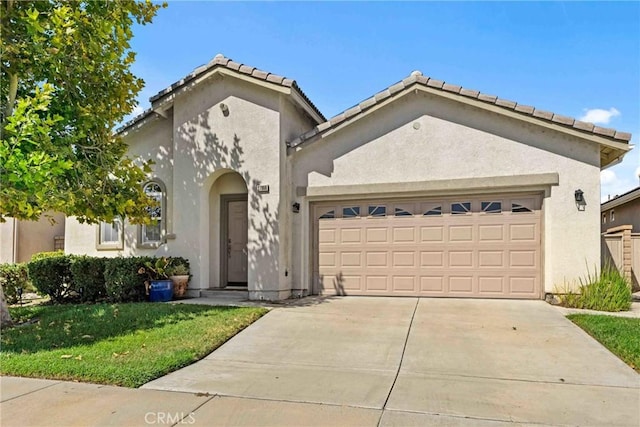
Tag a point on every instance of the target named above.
point(228, 231)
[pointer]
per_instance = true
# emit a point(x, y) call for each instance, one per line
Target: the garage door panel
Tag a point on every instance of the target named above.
point(377, 283)
point(459, 259)
point(461, 233)
point(397, 250)
point(377, 260)
point(404, 283)
point(350, 235)
point(432, 234)
point(461, 284)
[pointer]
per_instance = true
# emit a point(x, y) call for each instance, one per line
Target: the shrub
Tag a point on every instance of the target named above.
point(608, 291)
point(42, 255)
point(122, 281)
point(88, 278)
point(179, 266)
point(52, 276)
point(14, 276)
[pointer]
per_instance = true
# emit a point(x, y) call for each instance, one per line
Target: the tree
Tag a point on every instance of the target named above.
point(65, 83)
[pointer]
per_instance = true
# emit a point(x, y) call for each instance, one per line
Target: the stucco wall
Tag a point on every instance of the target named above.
point(423, 138)
point(208, 145)
point(32, 237)
point(151, 142)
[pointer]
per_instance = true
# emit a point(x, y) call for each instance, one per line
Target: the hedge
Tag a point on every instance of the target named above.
point(122, 281)
point(52, 276)
point(14, 276)
point(88, 278)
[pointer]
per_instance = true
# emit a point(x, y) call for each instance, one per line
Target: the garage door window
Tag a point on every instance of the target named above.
point(378, 211)
point(491, 207)
point(351, 212)
point(435, 211)
point(460, 208)
point(402, 212)
point(518, 208)
point(328, 215)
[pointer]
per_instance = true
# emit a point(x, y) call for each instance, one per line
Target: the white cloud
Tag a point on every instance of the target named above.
point(599, 116)
point(608, 177)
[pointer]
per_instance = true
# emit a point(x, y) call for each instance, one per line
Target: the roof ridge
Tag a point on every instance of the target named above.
point(416, 77)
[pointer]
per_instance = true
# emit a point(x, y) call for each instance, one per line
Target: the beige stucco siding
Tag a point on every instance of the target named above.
point(151, 142)
point(19, 240)
point(420, 138)
point(209, 144)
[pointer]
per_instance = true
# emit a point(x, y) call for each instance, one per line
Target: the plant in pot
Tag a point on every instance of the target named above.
point(179, 275)
point(158, 285)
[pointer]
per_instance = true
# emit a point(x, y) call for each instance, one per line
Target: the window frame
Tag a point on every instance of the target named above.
point(111, 245)
point(152, 244)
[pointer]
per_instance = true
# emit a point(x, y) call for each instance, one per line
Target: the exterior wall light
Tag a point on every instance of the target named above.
point(296, 207)
point(579, 197)
point(225, 109)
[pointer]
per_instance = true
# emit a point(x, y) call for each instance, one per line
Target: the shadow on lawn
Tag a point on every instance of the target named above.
point(60, 326)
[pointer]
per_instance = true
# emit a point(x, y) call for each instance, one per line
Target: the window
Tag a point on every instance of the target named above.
point(460, 208)
point(351, 212)
point(435, 211)
point(328, 215)
point(152, 234)
point(491, 207)
point(110, 234)
point(378, 211)
point(612, 216)
point(604, 218)
point(518, 208)
point(402, 212)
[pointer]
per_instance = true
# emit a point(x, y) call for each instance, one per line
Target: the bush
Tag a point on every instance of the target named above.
point(42, 255)
point(14, 276)
point(52, 276)
point(609, 291)
point(88, 278)
point(122, 281)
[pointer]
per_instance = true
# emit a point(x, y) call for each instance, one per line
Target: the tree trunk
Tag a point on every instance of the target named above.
point(5, 316)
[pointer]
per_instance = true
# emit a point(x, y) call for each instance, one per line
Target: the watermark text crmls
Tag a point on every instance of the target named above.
point(169, 418)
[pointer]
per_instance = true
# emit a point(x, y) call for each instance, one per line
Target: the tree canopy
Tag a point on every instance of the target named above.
point(65, 83)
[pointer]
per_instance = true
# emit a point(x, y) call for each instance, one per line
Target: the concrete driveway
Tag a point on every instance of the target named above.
point(409, 361)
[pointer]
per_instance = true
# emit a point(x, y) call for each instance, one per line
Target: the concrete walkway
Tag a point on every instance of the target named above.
point(368, 361)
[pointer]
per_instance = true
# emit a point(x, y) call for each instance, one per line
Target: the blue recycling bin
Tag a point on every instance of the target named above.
point(161, 290)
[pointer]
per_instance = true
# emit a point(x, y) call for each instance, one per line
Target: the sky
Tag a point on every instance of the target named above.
point(580, 59)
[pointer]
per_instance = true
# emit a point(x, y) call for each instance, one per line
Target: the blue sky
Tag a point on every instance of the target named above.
point(580, 59)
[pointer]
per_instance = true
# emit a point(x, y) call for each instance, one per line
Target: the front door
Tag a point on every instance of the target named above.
point(237, 226)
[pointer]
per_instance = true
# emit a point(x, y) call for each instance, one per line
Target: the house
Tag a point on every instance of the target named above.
point(622, 210)
point(620, 226)
point(19, 240)
point(425, 188)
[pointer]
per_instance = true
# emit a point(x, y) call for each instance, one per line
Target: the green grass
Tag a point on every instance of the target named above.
point(621, 335)
point(119, 344)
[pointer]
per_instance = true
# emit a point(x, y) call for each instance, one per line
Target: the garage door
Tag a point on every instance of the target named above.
point(487, 247)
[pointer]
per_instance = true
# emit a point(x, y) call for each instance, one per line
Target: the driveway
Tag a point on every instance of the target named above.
point(409, 361)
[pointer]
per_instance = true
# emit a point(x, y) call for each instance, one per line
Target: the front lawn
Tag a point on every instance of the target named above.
point(621, 335)
point(119, 344)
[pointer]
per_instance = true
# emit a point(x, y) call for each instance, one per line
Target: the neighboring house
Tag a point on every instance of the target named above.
point(622, 210)
point(19, 240)
point(424, 189)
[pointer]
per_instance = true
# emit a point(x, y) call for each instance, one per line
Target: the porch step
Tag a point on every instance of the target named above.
point(226, 294)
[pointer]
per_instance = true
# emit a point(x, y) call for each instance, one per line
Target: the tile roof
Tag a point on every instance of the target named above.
point(221, 61)
point(416, 77)
point(618, 200)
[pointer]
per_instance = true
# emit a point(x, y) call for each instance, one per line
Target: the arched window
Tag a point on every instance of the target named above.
point(153, 234)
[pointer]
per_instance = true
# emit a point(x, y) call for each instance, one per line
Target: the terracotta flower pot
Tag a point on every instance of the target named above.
point(179, 285)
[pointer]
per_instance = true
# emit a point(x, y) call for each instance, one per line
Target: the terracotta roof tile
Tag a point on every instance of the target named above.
point(563, 119)
point(624, 136)
point(393, 89)
point(451, 88)
point(487, 98)
point(506, 103)
point(583, 125)
point(435, 83)
point(245, 69)
point(604, 131)
point(382, 95)
point(274, 78)
point(527, 109)
point(541, 114)
point(469, 93)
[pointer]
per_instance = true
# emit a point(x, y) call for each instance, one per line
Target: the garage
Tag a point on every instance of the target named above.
point(485, 246)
